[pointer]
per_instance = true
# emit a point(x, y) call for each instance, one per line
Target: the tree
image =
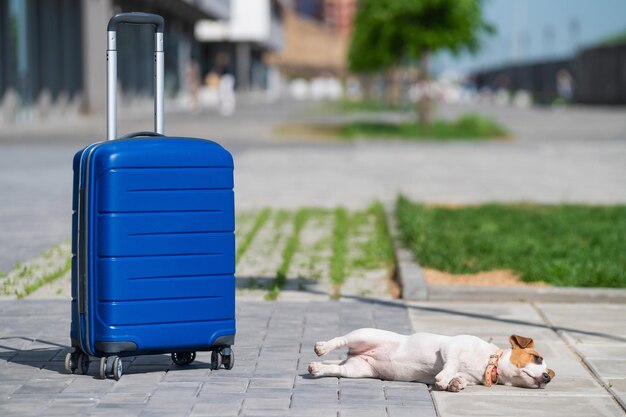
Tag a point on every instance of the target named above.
point(391, 32)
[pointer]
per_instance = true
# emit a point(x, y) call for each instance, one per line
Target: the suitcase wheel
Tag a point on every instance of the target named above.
point(216, 360)
point(111, 366)
point(224, 356)
point(77, 361)
point(70, 366)
point(229, 361)
point(118, 368)
point(183, 358)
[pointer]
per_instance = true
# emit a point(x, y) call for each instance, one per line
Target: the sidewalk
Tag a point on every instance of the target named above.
point(274, 346)
point(563, 333)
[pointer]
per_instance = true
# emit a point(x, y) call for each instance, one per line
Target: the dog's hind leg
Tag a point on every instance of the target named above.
point(337, 362)
point(353, 367)
point(357, 341)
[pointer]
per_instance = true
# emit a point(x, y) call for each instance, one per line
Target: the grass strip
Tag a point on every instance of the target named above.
point(338, 259)
point(259, 222)
point(377, 250)
point(564, 245)
point(470, 126)
point(363, 106)
point(293, 242)
point(26, 278)
point(381, 246)
point(52, 276)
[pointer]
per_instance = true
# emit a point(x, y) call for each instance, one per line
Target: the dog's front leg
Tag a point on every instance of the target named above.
point(447, 374)
point(449, 378)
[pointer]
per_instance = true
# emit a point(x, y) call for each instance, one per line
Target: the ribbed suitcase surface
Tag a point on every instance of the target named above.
point(158, 242)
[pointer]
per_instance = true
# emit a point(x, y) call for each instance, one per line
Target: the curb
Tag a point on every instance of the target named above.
point(407, 273)
point(553, 295)
point(410, 276)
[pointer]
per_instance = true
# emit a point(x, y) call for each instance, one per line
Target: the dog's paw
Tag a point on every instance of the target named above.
point(320, 349)
point(441, 386)
point(456, 385)
point(442, 382)
point(314, 369)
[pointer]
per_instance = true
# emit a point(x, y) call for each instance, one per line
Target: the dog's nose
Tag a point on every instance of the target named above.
point(546, 377)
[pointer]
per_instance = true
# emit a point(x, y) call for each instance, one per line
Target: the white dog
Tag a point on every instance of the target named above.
point(449, 362)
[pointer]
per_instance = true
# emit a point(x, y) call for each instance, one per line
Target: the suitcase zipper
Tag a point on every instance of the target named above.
point(82, 251)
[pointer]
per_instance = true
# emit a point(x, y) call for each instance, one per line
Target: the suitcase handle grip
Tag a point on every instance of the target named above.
point(159, 76)
point(136, 18)
point(137, 134)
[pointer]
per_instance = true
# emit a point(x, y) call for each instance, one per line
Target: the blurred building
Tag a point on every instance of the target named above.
point(336, 15)
point(317, 34)
point(238, 45)
point(41, 56)
point(339, 16)
point(311, 49)
point(52, 53)
point(558, 50)
point(595, 75)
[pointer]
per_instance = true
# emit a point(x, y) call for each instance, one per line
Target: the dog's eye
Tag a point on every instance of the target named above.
point(537, 359)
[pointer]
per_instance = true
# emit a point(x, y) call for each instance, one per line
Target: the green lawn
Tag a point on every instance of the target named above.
point(362, 106)
point(564, 245)
point(469, 126)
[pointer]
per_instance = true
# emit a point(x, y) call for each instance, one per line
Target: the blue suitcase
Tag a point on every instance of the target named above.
point(153, 241)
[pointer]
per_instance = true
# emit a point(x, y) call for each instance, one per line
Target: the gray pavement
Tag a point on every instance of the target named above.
point(575, 391)
point(574, 155)
point(274, 346)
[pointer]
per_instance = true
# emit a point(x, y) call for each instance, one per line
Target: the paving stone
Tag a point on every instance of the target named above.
point(453, 404)
point(251, 404)
point(38, 386)
point(411, 410)
point(270, 377)
point(363, 411)
point(609, 368)
point(256, 383)
point(216, 409)
point(618, 388)
point(224, 385)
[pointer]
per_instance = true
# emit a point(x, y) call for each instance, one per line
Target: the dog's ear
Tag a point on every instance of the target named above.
point(521, 342)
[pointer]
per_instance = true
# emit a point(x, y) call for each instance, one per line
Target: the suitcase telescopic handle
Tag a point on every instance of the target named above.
point(136, 18)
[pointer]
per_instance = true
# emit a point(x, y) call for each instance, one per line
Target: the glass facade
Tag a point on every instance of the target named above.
point(40, 49)
point(135, 47)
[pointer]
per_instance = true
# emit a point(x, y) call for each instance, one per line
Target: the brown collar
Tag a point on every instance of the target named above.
point(491, 372)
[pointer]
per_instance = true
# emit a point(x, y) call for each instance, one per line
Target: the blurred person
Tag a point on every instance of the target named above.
point(299, 89)
point(212, 80)
point(227, 100)
point(192, 76)
point(353, 88)
point(209, 92)
point(565, 85)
